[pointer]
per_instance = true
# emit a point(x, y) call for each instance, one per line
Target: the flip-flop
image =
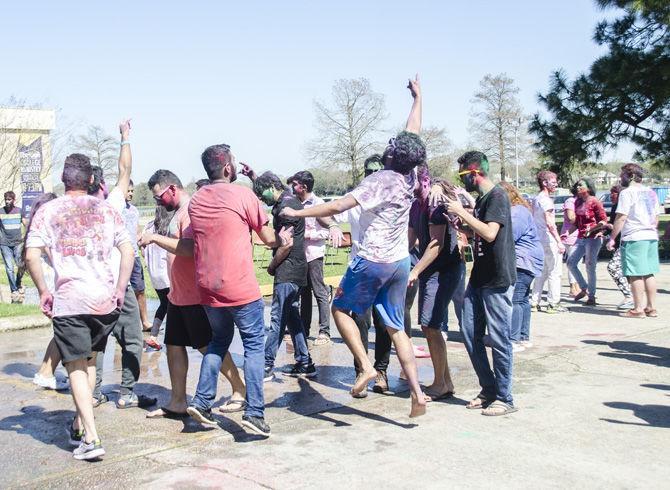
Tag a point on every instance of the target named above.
point(435, 397)
point(168, 414)
point(232, 406)
point(505, 409)
point(483, 403)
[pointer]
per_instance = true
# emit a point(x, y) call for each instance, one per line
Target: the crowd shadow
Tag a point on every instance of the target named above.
point(653, 415)
point(46, 427)
point(318, 407)
point(23, 369)
point(635, 351)
point(656, 386)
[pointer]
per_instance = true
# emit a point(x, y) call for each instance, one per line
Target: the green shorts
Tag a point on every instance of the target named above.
point(639, 257)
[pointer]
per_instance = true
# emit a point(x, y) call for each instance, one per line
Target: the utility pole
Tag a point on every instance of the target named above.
point(516, 150)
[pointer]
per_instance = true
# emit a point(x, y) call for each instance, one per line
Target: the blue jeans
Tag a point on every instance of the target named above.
point(521, 306)
point(435, 293)
point(286, 313)
point(492, 308)
point(249, 321)
point(588, 248)
point(11, 255)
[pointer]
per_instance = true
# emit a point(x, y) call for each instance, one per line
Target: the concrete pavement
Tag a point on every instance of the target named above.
point(593, 393)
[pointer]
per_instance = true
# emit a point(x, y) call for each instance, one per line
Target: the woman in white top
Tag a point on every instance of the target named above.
point(156, 260)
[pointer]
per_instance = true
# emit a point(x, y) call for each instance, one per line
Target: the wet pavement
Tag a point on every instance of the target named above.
point(593, 393)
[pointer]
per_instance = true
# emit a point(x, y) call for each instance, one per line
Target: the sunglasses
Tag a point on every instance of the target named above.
point(465, 172)
point(159, 197)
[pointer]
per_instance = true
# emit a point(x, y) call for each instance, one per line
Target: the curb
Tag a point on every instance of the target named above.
point(24, 322)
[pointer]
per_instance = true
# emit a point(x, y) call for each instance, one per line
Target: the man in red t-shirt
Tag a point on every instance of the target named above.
point(223, 216)
point(187, 324)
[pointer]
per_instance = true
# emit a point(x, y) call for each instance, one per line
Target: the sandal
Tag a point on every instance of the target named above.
point(100, 400)
point(232, 406)
point(167, 414)
point(479, 402)
point(132, 400)
point(633, 314)
point(498, 408)
point(433, 397)
point(651, 312)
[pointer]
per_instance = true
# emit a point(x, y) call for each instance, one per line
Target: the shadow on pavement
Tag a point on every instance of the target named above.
point(45, 427)
point(653, 415)
point(635, 351)
point(25, 369)
point(657, 386)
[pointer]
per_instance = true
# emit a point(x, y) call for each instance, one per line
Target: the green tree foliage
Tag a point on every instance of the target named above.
point(625, 96)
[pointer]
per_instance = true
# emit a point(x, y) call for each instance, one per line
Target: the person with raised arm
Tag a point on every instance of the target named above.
point(378, 275)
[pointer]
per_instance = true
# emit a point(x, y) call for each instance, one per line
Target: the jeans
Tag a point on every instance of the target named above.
point(588, 248)
point(11, 255)
point(249, 321)
point(492, 308)
point(382, 338)
point(321, 293)
point(552, 271)
point(435, 293)
point(521, 306)
point(128, 334)
point(286, 313)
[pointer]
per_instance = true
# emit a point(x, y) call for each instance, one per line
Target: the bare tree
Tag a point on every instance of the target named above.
point(497, 123)
point(347, 130)
point(102, 149)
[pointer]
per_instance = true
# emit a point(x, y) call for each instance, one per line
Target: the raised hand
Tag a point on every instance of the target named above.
point(247, 171)
point(454, 206)
point(124, 129)
point(414, 86)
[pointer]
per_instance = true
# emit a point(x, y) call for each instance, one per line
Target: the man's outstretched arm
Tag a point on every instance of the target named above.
point(331, 208)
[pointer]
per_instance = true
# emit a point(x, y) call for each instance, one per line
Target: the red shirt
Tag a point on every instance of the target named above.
point(588, 214)
point(182, 269)
point(222, 217)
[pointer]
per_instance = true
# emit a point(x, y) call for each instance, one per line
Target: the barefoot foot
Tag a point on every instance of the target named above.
point(418, 406)
point(362, 381)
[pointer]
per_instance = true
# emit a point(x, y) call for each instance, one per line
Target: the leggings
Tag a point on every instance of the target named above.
point(160, 312)
point(616, 271)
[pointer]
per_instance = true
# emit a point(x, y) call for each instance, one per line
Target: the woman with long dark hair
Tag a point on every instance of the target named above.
point(156, 260)
point(591, 221)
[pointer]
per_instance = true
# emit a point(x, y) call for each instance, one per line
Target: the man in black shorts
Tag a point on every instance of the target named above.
point(79, 233)
point(187, 323)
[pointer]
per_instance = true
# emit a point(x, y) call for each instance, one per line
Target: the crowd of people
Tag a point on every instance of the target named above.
point(409, 237)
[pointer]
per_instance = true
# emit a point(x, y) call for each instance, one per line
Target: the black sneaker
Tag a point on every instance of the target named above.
point(256, 424)
point(268, 374)
point(75, 436)
point(303, 370)
point(89, 450)
point(203, 416)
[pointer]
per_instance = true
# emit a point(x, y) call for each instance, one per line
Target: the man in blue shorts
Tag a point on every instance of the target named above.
point(378, 275)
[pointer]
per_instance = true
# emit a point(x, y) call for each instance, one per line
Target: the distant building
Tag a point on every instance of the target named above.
point(25, 153)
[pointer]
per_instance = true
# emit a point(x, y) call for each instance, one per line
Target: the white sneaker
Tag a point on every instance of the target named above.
point(51, 383)
point(517, 347)
point(626, 304)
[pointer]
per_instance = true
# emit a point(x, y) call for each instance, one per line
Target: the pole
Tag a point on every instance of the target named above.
point(516, 152)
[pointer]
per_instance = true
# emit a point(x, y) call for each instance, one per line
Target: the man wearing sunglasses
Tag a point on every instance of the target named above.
point(488, 297)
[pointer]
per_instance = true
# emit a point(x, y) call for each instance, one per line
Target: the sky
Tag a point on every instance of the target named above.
point(199, 73)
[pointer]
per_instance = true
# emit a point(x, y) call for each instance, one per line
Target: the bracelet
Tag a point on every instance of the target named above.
point(125, 142)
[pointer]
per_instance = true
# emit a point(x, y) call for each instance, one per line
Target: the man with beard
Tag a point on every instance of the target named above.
point(187, 323)
point(488, 297)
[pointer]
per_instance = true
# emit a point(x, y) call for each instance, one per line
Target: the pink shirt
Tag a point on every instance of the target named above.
point(222, 217)
point(182, 269)
point(568, 230)
point(315, 234)
point(80, 233)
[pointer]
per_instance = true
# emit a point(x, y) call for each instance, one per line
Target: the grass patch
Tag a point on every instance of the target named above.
point(10, 310)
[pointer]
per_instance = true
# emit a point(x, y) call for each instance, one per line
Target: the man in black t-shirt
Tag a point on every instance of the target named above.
point(289, 268)
point(488, 298)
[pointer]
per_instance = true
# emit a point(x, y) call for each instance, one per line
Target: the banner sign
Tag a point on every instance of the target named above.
point(30, 165)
